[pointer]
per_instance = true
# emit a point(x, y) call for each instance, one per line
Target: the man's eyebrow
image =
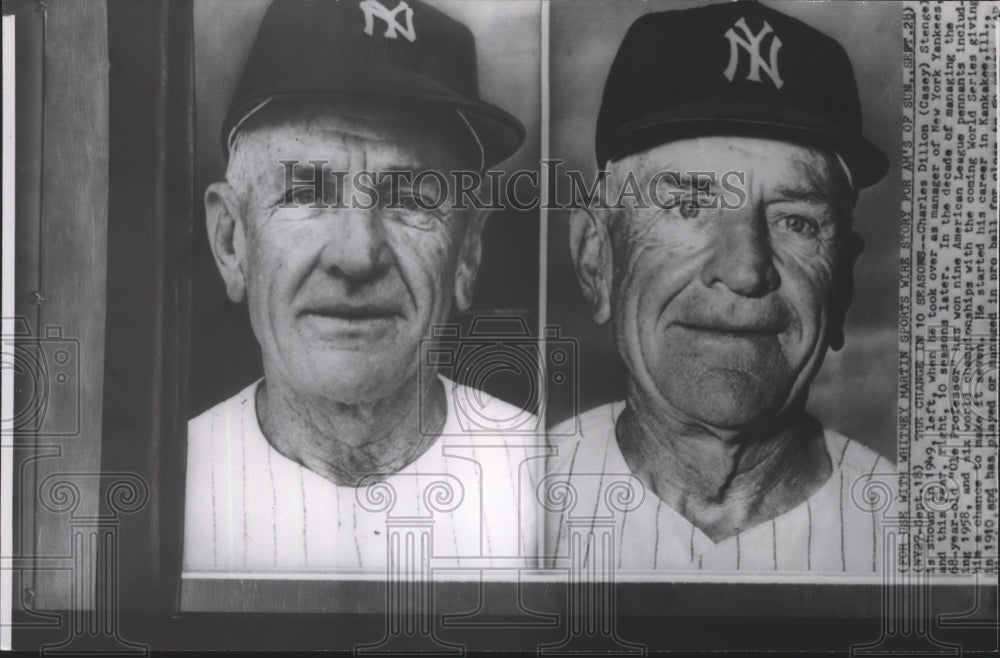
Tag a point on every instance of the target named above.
point(702, 180)
point(306, 177)
point(400, 166)
point(804, 195)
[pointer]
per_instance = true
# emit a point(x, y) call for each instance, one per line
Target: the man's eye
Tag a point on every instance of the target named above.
point(800, 224)
point(301, 196)
point(689, 208)
point(410, 202)
point(413, 210)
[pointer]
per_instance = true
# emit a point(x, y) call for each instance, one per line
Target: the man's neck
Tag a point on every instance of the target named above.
point(346, 442)
point(724, 482)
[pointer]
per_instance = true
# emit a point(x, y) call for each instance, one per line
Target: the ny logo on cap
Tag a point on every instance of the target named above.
point(373, 8)
point(751, 44)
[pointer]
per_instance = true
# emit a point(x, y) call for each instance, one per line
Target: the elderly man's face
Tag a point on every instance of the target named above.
point(340, 298)
point(725, 314)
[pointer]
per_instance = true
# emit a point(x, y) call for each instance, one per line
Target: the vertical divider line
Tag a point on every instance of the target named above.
point(7, 329)
point(543, 258)
point(543, 212)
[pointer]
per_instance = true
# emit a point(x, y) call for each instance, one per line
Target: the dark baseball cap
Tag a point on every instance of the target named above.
point(737, 68)
point(403, 52)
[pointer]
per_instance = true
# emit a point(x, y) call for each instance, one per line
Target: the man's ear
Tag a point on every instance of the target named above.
point(227, 237)
point(590, 248)
point(469, 256)
point(843, 288)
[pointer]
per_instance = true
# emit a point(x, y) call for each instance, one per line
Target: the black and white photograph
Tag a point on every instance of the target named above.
point(744, 233)
point(329, 365)
point(546, 327)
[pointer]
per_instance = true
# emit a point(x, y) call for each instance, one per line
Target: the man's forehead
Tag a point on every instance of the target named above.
point(379, 129)
point(720, 154)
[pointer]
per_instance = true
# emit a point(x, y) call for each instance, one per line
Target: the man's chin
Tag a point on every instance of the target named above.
point(727, 400)
point(333, 334)
point(355, 378)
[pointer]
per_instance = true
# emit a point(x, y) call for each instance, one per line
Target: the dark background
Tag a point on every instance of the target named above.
point(855, 392)
point(225, 356)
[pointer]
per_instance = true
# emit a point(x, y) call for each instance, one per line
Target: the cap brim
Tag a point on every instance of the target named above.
point(499, 133)
point(868, 164)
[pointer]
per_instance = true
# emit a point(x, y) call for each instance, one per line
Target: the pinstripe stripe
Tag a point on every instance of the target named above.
point(622, 536)
point(482, 502)
point(809, 537)
point(774, 543)
point(340, 516)
point(305, 518)
point(600, 492)
point(512, 479)
point(656, 546)
point(874, 543)
point(843, 453)
point(532, 541)
point(354, 534)
point(874, 522)
point(737, 551)
point(692, 541)
point(482, 510)
point(229, 488)
point(532, 473)
point(600, 484)
point(274, 508)
point(215, 522)
point(562, 519)
point(243, 472)
point(336, 533)
point(509, 458)
point(843, 555)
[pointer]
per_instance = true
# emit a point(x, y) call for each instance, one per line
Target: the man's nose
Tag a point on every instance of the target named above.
point(356, 246)
point(742, 258)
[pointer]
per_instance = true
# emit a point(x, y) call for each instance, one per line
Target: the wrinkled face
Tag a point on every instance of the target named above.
point(341, 297)
point(722, 314)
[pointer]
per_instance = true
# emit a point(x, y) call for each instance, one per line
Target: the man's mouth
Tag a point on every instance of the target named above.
point(724, 329)
point(354, 314)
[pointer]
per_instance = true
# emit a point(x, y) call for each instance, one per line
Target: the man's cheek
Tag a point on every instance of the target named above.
point(810, 292)
point(425, 257)
point(631, 228)
point(814, 267)
point(669, 238)
point(821, 278)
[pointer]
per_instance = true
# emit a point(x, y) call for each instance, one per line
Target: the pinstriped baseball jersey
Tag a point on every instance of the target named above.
point(249, 507)
point(834, 530)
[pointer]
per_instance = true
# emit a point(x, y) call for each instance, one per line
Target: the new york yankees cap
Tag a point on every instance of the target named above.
point(407, 54)
point(738, 68)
